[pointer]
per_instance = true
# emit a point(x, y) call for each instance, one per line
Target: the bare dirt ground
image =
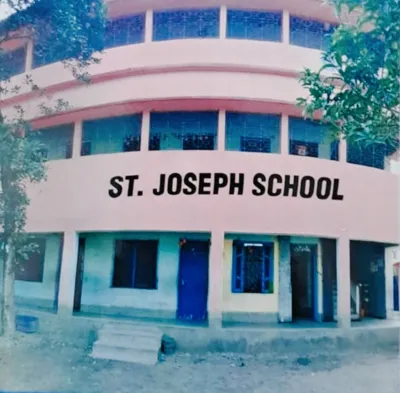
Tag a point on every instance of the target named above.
point(35, 365)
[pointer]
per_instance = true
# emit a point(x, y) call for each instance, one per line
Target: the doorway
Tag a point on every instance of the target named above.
point(304, 281)
point(193, 281)
point(79, 274)
point(367, 269)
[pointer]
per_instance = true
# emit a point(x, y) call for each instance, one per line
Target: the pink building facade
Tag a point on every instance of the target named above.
point(184, 184)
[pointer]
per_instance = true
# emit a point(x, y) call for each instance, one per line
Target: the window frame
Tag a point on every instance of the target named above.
point(169, 14)
point(267, 278)
point(41, 243)
point(252, 12)
point(132, 244)
point(112, 28)
point(319, 27)
point(92, 129)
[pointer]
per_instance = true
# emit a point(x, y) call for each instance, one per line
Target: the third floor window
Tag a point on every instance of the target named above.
point(179, 24)
point(254, 25)
point(310, 34)
point(125, 31)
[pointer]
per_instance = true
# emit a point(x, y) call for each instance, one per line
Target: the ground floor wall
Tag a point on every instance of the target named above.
point(224, 302)
point(43, 294)
point(98, 295)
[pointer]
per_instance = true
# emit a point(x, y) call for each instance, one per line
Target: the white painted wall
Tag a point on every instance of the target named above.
point(98, 273)
point(47, 289)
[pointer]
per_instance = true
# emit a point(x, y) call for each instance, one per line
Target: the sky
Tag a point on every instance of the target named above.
point(5, 9)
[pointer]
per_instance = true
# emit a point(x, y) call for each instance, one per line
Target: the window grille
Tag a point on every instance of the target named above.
point(252, 270)
point(180, 24)
point(367, 155)
point(254, 25)
point(111, 135)
point(135, 264)
point(311, 139)
point(252, 132)
point(56, 142)
point(310, 34)
point(183, 130)
point(125, 31)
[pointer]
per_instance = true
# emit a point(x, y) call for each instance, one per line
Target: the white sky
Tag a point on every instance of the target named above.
point(5, 9)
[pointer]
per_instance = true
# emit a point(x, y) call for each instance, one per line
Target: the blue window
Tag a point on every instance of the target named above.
point(310, 33)
point(180, 24)
point(252, 132)
point(312, 139)
point(12, 63)
point(55, 142)
point(254, 25)
point(252, 270)
point(111, 135)
point(367, 155)
point(125, 31)
point(183, 130)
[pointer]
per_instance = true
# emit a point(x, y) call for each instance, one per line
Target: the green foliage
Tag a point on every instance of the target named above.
point(357, 89)
point(21, 163)
point(71, 31)
point(63, 30)
point(74, 31)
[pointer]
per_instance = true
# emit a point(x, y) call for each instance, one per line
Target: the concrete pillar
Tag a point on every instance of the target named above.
point(320, 284)
point(286, 27)
point(343, 281)
point(284, 135)
point(66, 291)
point(29, 56)
point(342, 150)
point(216, 279)
point(221, 130)
point(77, 141)
point(145, 132)
point(223, 21)
point(148, 34)
point(390, 259)
point(285, 280)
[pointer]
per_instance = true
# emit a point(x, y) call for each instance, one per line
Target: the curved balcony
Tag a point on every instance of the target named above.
point(214, 69)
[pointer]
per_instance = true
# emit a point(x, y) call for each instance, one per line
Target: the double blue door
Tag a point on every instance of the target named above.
point(193, 281)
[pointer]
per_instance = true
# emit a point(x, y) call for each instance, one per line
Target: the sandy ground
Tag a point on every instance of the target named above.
point(34, 365)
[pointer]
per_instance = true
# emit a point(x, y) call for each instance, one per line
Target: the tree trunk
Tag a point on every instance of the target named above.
point(8, 315)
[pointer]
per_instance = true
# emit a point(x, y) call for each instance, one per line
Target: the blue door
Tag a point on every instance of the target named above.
point(193, 281)
point(396, 283)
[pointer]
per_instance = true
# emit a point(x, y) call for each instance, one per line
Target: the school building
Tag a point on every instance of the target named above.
point(184, 184)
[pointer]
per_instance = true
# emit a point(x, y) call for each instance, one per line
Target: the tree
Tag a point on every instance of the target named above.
point(62, 30)
point(356, 91)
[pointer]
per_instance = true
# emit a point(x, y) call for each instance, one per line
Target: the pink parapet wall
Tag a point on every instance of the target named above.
point(78, 196)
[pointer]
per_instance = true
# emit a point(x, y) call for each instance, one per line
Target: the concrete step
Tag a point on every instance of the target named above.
point(131, 329)
point(125, 355)
point(132, 342)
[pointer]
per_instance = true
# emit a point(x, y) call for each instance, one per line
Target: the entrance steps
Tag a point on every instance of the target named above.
point(128, 343)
